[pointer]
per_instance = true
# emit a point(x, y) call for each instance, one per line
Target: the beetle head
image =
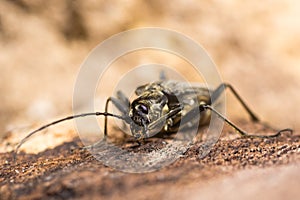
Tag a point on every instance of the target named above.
point(145, 110)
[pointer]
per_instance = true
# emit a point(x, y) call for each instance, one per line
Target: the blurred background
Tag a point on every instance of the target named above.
point(255, 45)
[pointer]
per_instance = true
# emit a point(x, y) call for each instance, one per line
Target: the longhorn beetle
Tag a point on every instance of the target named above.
point(157, 108)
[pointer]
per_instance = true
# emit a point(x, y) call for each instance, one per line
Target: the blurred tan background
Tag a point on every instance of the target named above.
point(255, 44)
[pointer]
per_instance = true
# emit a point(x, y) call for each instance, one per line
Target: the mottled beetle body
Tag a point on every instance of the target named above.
point(157, 99)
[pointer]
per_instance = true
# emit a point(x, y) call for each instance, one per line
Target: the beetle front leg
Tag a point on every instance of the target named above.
point(122, 103)
point(164, 118)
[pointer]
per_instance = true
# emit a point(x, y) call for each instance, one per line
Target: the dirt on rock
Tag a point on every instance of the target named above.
point(71, 172)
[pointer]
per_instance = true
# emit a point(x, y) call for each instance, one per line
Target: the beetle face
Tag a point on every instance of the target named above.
point(145, 110)
point(140, 120)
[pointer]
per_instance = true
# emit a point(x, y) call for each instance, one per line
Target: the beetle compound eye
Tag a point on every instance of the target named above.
point(143, 108)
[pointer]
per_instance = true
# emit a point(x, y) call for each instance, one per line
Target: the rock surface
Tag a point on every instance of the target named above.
point(235, 168)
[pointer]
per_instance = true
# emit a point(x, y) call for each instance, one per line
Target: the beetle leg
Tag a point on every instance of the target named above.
point(239, 130)
point(162, 75)
point(122, 103)
point(164, 118)
point(123, 99)
point(217, 92)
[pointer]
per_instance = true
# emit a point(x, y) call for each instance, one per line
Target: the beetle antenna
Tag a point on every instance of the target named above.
point(62, 120)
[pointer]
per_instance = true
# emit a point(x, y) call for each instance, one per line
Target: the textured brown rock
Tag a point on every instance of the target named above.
point(68, 172)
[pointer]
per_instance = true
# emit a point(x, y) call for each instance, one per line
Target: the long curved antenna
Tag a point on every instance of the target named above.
point(61, 120)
